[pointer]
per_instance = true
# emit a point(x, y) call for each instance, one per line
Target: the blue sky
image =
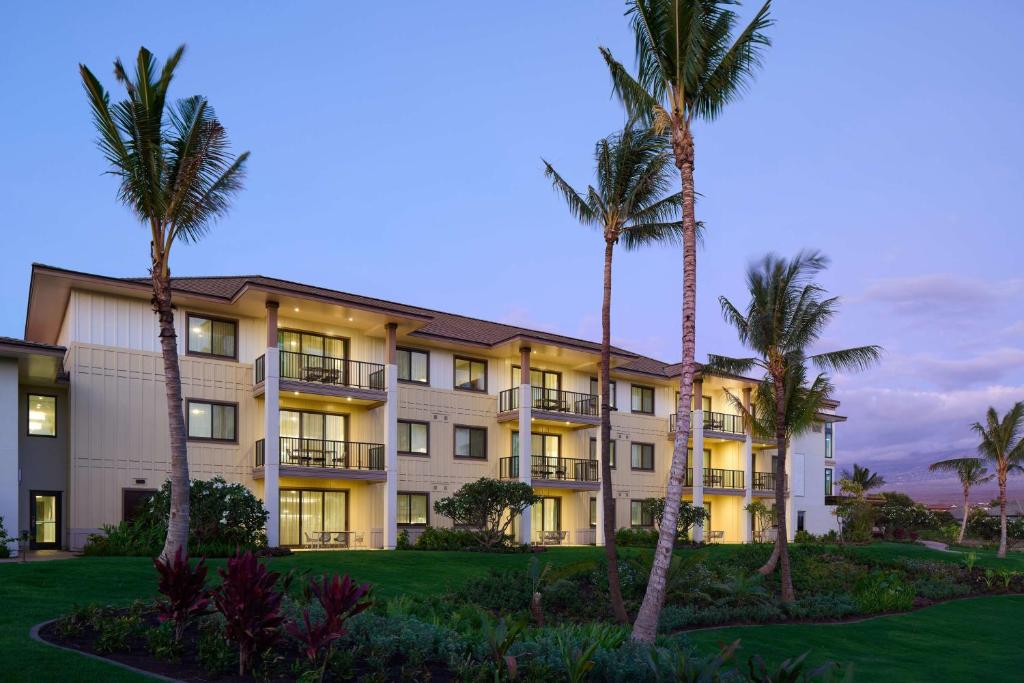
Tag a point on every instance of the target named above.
point(396, 152)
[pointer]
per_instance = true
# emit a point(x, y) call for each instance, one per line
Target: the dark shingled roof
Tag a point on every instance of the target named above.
point(30, 345)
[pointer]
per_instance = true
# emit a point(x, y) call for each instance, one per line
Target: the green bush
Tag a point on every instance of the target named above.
point(5, 541)
point(222, 518)
point(675, 617)
point(636, 538)
point(403, 542)
point(883, 591)
point(822, 607)
point(434, 538)
point(499, 591)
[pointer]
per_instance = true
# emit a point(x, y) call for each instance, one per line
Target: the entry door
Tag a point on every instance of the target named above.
point(44, 519)
point(546, 516)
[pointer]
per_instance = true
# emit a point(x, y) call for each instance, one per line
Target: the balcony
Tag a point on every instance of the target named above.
point(325, 376)
point(552, 405)
point(764, 483)
point(718, 479)
point(719, 423)
point(323, 458)
point(573, 473)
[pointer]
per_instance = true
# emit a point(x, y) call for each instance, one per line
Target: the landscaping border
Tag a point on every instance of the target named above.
point(33, 633)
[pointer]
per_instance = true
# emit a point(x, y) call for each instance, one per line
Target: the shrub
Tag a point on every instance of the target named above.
point(222, 518)
point(499, 591)
point(689, 515)
point(434, 538)
point(339, 599)
point(489, 506)
point(636, 538)
point(116, 633)
point(185, 590)
point(213, 649)
point(883, 591)
point(675, 617)
point(5, 541)
point(403, 542)
point(818, 607)
point(163, 643)
point(939, 588)
point(250, 604)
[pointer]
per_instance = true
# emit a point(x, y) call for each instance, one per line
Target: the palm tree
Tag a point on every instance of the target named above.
point(1002, 445)
point(689, 66)
point(971, 472)
point(785, 317)
point(864, 477)
point(177, 176)
point(630, 206)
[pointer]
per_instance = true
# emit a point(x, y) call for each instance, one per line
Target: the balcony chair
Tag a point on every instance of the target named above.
point(312, 541)
point(715, 536)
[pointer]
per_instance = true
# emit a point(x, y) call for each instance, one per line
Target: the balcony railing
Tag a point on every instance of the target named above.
point(558, 469)
point(341, 372)
point(346, 455)
point(714, 422)
point(551, 400)
point(718, 479)
point(764, 481)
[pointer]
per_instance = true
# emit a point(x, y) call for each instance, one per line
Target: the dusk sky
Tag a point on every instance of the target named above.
point(396, 153)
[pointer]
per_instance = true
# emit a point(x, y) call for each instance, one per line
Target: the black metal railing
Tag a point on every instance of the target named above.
point(764, 481)
point(551, 400)
point(552, 469)
point(326, 370)
point(714, 422)
point(718, 479)
point(346, 455)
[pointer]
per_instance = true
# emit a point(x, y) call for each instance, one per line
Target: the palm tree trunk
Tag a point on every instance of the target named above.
point(646, 626)
point(177, 524)
point(1002, 512)
point(963, 524)
point(780, 554)
point(607, 497)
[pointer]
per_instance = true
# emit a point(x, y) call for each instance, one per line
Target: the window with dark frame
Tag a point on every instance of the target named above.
point(133, 502)
point(539, 379)
point(471, 442)
point(611, 451)
point(641, 399)
point(828, 439)
point(311, 344)
point(800, 520)
point(828, 481)
point(470, 374)
point(42, 415)
point(413, 437)
point(212, 421)
point(595, 390)
point(593, 513)
point(413, 509)
point(209, 336)
point(641, 456)
point(413, 365)
point(640, 517)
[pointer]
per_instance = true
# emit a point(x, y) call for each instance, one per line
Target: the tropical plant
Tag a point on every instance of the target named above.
point(339, 600)
point(690, 515)
point(762, 517)
point(864, 477)
point(630, 206)
point(537, 576)
point(177, 176)
point(578, 661)
point(489, 507)
point(184, 588)
point(251, 605)
point(1002, 445)
point(689, 66)
point(784, 318)
point(740, 589)
point(499, 636)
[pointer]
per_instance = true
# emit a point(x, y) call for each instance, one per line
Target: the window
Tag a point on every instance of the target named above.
point(412, 508)
point(470, 442)
point(539, 379)
point(641, 456)
point(307, 513)
point(638, 515)
point(133, 501)
point(799, 520)
point(541, 445)
point(828, 439)
point(828, 481)
point(413, 366)
point(212, 337)
point(611, 451)
point(641, 399)
point(413, 438)
point(595, 390)
point(705, 403)
point(42, 415)
point(593, 513)
point(470, 375)
point(212, 421)
point(310, 344)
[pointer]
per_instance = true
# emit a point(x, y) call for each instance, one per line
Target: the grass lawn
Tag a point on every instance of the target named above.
point(902, 647)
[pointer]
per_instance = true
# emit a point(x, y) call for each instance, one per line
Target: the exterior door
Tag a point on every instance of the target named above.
point(44, 519)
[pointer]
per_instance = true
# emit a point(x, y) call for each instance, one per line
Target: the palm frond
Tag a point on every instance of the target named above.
point(735, 68)
point(577, 205)
point(639, 103)
point(731, 366)
point(857, 358)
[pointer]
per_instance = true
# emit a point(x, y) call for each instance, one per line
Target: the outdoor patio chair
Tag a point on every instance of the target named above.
point(312, 541)
point(359, 540)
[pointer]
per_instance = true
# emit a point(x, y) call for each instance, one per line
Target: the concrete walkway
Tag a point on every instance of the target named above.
point(936, 545)
point(41, 556)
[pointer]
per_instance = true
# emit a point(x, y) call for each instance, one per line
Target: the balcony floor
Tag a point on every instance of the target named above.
point(367, 397)
point(324, 473)
point(554, 419)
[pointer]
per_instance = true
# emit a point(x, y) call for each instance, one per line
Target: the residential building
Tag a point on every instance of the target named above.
point(353, 415)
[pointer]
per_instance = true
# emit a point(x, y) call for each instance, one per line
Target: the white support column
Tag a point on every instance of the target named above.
point(697, 438)
point(9, 452)
point(272, 430)
point(525, 434)
point(391, 439)
point(748, 472)
point(599, 529)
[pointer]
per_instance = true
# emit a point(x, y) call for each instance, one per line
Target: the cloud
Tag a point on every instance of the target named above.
point(931, 369)
point(941, 295)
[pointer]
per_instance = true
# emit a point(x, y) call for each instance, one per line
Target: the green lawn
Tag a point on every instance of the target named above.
point(903, 647)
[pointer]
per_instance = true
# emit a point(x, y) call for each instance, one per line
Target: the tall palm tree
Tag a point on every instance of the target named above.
point(971, 472)
point(689, 66)
point(630, 206)
point(785, 317)
point(177, 176)
point(1002, 445)
point(864, 477)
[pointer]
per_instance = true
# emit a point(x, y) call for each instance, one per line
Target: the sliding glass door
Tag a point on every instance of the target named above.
point(313, 439)
point(545, 517)
point(306, 513)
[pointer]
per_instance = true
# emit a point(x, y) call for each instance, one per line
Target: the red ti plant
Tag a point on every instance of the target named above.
point(340, 599)
point(250, 603)
point(185, 589)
